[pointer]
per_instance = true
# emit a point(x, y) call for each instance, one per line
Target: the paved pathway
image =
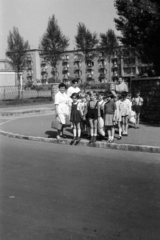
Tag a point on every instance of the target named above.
point(39, 125)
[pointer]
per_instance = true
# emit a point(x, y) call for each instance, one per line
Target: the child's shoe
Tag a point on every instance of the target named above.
point(91, 140)
point(77, 141)
point(94, 139)
point(73, 140)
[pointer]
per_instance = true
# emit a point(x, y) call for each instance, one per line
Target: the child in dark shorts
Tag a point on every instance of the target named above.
point(92, 115)
point(137, 102)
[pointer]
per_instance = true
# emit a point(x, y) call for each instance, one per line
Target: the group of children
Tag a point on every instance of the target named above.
point(97, 113)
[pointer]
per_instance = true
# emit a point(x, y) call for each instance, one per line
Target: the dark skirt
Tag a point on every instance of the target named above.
point(75, 116)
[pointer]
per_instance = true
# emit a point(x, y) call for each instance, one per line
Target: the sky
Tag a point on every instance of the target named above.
point(31, 18)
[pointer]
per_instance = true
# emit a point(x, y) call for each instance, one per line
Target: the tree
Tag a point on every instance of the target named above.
point(108, 41)
point(139, 23)
point(16, 51)
point(53, 42)
point(85, 40)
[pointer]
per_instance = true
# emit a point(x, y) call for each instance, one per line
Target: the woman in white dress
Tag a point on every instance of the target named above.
point(62, 104)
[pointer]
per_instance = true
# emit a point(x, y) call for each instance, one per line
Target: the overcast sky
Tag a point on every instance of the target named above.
point(31, 17)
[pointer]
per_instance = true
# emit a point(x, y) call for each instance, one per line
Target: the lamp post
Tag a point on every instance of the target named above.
point(65, 70)
point(102, 68)
point(89, 70)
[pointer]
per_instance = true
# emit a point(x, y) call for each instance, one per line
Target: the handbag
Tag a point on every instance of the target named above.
point(101, 130)
point(55, 124)
point(132, 117)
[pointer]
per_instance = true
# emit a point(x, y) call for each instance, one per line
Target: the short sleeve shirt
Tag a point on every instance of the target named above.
point(72, 90)
point(121, 88)
point(109, 107)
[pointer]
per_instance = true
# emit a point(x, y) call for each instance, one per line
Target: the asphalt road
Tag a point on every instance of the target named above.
point(59, 192)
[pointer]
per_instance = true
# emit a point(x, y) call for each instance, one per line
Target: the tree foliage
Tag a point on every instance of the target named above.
point(85, 40)
point(16, 50)
point(139, 23)
point(53, 42)
point(109, 42)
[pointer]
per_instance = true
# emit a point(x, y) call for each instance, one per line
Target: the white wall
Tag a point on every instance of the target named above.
point(7, 79)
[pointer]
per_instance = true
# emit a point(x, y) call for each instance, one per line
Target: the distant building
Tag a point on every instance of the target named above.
point(38, 71)
point(8, 77)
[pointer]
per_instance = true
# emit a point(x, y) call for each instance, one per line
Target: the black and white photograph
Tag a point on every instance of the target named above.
point(79, 120)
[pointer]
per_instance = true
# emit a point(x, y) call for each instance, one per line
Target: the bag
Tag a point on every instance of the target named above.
point(132, 117)
point(55, 124)
point(101, 130)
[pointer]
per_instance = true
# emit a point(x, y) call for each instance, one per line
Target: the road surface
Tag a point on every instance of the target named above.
point(61, 192)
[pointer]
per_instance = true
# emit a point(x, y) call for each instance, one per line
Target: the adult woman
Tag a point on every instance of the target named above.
point(119, 88)
point(74, 88)
point(62, 103)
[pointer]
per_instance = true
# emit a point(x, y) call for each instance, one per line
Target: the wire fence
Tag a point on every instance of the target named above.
point(14, 92)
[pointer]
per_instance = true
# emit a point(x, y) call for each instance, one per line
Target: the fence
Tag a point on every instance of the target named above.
point(150, 92)
point(12, 93)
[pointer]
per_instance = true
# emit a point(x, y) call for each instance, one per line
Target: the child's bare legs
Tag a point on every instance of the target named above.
point(95, 129)
point(109, 132)
point(74, 130)
point(91, 128)
point(112, 132)
point(120, 128)
point(137, 119)
point(78, 127)
point(125, 125)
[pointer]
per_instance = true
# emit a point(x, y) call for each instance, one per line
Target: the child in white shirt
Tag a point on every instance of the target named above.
point(123, 109)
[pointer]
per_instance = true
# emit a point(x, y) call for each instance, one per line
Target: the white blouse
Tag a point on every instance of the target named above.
point(63, 102)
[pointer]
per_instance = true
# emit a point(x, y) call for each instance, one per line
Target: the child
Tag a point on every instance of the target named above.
point(86, 114)
point(100, 104)
point(100, 115)
point(137, 102)
point(75, 118)
point(92, 114)
point(109, 116)
point(82, 104)
point(123, 109)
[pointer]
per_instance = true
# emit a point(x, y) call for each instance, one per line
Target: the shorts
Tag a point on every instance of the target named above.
point(93, 114)
point(137, 108)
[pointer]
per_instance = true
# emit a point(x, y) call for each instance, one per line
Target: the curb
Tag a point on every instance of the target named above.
point(7, 114)
point(125, 147)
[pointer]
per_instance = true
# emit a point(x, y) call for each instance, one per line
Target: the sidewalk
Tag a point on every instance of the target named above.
point(38, 128)
point(10, 111)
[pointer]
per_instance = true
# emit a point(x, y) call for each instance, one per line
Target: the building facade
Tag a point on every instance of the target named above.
point(72, 65)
